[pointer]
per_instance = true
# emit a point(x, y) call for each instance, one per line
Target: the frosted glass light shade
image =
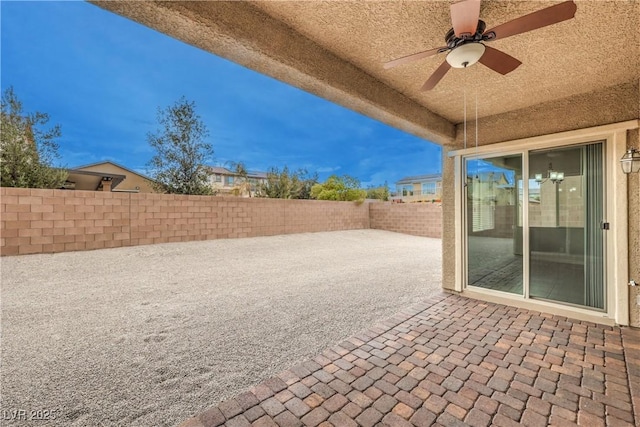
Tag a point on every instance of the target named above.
point(465, 55)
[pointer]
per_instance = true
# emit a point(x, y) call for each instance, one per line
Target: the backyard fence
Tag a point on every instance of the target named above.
point(46, 221)
point(418, 219)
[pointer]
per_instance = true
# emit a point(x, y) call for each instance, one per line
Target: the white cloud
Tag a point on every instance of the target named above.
point(327, 169)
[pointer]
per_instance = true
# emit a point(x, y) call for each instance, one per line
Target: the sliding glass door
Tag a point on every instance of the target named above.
point(565, 225)
point(494, 217)
point(561, 259)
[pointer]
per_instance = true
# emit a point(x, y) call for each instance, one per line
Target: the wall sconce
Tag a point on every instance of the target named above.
point(630, 162)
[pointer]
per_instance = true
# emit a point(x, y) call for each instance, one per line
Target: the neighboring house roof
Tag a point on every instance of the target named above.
point(224, 171)
point(113, 163)
point(89, 177)
point(420, 178)
point(260, 175)
point(220, 170)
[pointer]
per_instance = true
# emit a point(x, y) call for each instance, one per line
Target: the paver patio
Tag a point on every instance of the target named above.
point(454, 361)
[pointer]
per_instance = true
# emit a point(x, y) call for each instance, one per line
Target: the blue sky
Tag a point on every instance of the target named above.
point(102, 78)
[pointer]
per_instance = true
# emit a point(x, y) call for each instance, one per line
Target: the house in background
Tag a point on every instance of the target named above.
point(228, 183)
point(419, 188)
point(107, 176)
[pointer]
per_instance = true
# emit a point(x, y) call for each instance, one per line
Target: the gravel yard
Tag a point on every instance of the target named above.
point(149, 335)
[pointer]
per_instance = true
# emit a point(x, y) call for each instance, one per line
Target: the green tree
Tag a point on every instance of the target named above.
point(181, 151)
point(344, 188)
point(380, 193)
point(27, 152)
point(307, 181)
point(283, 184)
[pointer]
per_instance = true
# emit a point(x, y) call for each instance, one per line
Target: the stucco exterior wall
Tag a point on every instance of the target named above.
point(448, 219)
point(634, 234)
point(611, 105)
point(418, 219)
point(130, 182)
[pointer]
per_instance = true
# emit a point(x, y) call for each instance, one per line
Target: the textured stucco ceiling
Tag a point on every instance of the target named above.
point(336, 50)
point(596, 49)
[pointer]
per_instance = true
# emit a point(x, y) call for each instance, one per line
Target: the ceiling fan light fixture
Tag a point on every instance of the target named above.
point(465, 41)
point(465, 55)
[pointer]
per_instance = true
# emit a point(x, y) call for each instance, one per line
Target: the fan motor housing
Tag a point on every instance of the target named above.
point(453, 41)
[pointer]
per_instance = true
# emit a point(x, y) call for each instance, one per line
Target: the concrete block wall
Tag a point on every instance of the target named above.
point(46, 221)
point(418, 219)
point(37, 221)
point(161, 218)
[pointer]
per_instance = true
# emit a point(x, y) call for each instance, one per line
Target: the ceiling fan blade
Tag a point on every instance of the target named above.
point(464, 16)
point(533, 21)
point(436, 76)
point(414, 57)
point(499, 61)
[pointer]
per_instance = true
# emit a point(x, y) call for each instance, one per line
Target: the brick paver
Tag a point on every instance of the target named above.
point(454, 361)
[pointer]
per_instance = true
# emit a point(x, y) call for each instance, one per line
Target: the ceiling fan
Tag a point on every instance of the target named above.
point(466, 40)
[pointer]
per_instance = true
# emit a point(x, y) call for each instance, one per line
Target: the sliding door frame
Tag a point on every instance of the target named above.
point(465, 222)
point(615, 195)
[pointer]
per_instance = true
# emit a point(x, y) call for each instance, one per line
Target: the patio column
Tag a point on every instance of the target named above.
point(448, 219)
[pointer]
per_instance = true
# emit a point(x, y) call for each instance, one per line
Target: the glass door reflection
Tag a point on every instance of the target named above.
point(494, 223)
point(566, 257)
